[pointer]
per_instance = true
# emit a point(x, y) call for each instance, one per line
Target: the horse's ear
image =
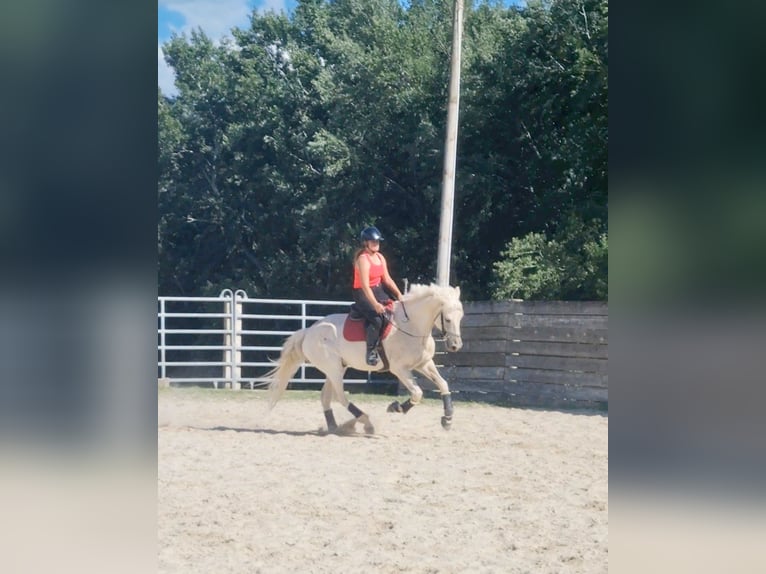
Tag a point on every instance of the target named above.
point(457, 290)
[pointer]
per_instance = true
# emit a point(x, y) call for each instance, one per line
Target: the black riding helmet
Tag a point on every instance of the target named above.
point(371, 234)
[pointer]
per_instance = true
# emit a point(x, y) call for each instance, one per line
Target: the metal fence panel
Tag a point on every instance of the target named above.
point(231, 340)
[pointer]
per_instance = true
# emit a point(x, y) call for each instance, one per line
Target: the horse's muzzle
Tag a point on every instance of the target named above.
point(454, 343)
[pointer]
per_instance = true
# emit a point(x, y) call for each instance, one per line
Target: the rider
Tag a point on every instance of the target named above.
point(372, 285)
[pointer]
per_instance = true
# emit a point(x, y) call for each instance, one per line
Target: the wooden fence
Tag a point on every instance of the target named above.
point(529, 353)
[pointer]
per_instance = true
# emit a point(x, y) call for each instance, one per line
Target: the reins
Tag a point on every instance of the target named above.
point(390, 319)
point(406, 316)
point(444, 333)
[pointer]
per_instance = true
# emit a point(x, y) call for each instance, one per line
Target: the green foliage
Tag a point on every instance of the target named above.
point(284, 142)
point(571, 265)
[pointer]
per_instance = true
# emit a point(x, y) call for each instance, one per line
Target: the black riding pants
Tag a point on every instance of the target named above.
point(375, 321)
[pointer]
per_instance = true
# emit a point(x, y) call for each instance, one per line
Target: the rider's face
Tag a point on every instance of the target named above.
point(373, 245)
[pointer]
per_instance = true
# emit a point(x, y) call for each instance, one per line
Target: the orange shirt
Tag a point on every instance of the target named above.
point(376, 273)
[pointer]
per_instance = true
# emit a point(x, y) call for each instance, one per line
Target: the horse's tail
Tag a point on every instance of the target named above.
point(290, 359)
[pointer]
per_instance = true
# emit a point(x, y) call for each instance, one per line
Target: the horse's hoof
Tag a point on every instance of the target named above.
point(349, 427)
point(394, 407)
point(447, 423)
point(369, 429)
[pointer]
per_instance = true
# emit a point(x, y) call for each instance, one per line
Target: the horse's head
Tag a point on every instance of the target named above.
point(442, 309)
point(449, 319)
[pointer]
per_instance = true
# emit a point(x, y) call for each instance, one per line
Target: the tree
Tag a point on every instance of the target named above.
point(284, 142)
point(573, 265)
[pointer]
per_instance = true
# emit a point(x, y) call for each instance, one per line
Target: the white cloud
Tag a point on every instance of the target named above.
point(165, 75)
point(216, 18)
point(274, 5)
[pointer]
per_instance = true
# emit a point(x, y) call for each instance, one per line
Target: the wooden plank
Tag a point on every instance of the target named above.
point(488, 307)
point(560, 321)
point(557, 363)
point(556, 349)
point(479, 386)
point(485, 320)
point(560, 307)
point(462, 359)
point(572, 392)
point(484, 346)
point(538, 402)
point(533, 394)
point(564, 335)
point(472, 373)
point(558, 377)
point(479, 333)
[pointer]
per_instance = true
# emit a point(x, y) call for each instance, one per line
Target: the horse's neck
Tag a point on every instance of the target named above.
point(423, 312)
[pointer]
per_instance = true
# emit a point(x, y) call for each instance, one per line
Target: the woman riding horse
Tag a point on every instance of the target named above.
point(410, 349)
point(372, 286)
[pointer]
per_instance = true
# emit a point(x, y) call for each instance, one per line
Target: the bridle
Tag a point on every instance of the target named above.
point(444, 331)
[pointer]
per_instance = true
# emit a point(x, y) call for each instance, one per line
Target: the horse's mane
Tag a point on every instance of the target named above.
point(418, 291)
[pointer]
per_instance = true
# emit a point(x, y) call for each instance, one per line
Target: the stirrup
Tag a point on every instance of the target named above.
point(372, 357)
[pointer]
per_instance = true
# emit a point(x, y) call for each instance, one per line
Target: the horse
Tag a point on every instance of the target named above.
point(408, 346)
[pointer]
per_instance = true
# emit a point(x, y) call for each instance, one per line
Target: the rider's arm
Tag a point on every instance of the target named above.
point(389, 281)
point(363, 263)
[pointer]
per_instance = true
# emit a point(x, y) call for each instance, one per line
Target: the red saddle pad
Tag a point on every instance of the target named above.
point(354, 329)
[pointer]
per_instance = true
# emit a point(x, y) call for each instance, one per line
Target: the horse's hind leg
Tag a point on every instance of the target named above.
point(327, 395)
point(333, 389)
point(361, 417)
point(340, 396)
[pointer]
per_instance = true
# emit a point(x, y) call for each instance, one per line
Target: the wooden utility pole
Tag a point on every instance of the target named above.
point(450, 151)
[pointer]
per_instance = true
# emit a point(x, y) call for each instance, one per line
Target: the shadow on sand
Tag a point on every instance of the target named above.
point(342, 432)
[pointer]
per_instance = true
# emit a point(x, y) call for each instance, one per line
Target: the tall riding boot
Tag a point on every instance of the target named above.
point(372, 343)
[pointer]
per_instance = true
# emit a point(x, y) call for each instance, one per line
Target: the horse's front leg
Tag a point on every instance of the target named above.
point(416, 393)
point(430, 371)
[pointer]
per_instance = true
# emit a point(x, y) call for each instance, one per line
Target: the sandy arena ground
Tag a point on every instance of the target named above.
point(242, 490)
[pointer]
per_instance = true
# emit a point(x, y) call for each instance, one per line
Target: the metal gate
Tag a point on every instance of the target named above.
point(232, 340)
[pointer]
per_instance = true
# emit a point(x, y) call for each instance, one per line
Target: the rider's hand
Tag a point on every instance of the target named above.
point(379, 309)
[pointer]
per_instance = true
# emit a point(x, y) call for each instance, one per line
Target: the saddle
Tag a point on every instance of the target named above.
point(355, 325)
